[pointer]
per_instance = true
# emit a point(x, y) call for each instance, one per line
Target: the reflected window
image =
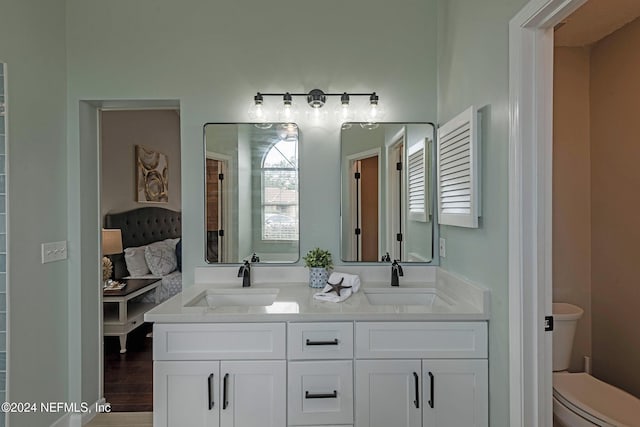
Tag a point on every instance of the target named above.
point(280, 191)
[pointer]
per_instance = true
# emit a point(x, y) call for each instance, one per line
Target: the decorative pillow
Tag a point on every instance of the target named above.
point(172, 242)
point(179, 254)
point(135, 260)
point(161, 258)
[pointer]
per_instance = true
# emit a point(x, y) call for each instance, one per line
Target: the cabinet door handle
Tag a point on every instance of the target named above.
point(417, 385)
point(225, 402)
point(431, 381)
point(210, 383)
point(333, 342)
point(333, 395)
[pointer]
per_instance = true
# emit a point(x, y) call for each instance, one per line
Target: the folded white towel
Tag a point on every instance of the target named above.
point(350, 281)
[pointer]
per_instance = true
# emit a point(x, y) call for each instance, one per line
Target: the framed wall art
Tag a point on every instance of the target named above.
point(152, 181)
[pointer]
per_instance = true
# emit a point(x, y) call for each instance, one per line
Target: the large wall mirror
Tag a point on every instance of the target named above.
point(387, 192)
point(251, 188)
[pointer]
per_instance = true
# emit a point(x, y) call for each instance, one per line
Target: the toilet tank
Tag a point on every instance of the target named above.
point(565, 318)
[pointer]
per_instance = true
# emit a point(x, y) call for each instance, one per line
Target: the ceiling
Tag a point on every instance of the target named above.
point(595, 20)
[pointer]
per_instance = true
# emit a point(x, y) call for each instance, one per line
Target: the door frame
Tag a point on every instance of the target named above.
point(393, 204)
point(530, 208)
point(227, 183)
point(93, 136)
point(351, 159)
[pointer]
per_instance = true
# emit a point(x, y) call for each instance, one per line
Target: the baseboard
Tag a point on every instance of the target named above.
point(78, 420)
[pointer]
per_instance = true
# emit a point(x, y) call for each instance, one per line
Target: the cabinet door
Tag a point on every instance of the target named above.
point(253, 394)
point(186, 394)
point(455, 393)
point(388, 393)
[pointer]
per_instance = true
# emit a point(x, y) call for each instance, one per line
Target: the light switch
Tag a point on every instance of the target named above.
point(54, 251)
point(443, 248)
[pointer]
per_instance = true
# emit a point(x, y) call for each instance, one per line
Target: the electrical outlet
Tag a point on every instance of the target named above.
point(54, 251)
point(443, 248)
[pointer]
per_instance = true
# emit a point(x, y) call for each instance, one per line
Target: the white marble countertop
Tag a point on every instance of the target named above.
point(458, 301)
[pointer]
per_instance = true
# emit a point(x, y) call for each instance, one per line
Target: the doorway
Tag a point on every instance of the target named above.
point(365, 199)
point(595, 177)
point(126, 134)
point(530, 207)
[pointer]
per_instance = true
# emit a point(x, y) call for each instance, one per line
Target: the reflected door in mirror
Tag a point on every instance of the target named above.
point(386, 192)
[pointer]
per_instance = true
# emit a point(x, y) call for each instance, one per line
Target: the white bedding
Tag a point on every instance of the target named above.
point(171, 285)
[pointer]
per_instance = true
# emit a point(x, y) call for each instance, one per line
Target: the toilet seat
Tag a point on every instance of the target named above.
point(596, 401)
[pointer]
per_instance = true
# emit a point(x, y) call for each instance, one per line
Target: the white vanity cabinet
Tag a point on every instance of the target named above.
point(387, 393)
point(320, 373)
point(455, 393)
point(429, 374)
point(219, 375)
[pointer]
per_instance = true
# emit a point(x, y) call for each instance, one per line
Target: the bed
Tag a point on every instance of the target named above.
point(157, 229)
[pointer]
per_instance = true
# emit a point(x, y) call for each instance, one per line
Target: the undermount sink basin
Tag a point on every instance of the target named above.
point(401, 296)
point(235, 297)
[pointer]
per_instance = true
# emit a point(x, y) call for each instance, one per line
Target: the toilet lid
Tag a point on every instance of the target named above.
point(596, 399)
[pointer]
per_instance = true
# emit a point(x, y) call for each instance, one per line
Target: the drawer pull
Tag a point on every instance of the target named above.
point(431, 380)
point(333, 395)
point(334, 342)
point(417, 384)
point(225, 402)
point(210, 383)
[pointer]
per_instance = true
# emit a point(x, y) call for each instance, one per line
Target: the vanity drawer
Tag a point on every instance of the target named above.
point(228, 341)
point(320, 340)
point(422, 340)
point(320, 392)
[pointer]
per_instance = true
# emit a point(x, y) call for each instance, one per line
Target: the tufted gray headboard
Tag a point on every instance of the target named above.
point(140, 227)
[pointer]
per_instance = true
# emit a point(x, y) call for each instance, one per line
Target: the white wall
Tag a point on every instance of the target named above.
point(473, 42)
point(32, 42)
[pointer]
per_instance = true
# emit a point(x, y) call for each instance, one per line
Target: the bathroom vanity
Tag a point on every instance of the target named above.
point(296, 361)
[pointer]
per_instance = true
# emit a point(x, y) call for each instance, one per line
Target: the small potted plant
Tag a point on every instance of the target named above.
point(319, 262)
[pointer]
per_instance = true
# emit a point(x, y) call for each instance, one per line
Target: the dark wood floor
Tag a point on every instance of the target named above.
point(128, 377)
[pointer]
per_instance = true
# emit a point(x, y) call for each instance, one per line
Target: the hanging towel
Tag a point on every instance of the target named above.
point(346, 284)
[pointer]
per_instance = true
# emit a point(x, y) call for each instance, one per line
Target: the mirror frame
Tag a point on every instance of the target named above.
point(204, 169)
point(435, 230)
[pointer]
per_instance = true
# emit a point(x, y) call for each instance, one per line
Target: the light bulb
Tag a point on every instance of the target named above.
point(343, 111)
point(317, 115)
point(257, 111)
point(375, 113)
point(289, 111)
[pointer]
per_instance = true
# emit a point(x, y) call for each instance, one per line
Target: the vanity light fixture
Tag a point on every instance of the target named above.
point(316, 99)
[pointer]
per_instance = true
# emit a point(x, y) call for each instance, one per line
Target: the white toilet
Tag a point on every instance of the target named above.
point(578, 398)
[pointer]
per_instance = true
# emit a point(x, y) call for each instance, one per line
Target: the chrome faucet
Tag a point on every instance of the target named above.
point(245, 273)
point(396, 273)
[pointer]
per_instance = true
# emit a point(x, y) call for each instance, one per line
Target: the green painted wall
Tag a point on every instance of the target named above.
point(215, 56)
point(473, 43)
point(32, 43)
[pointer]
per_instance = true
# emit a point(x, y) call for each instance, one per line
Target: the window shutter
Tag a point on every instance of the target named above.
point(417, 189)
point(458, 169)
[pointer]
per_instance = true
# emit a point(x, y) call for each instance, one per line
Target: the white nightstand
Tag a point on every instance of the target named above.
point(122, 316)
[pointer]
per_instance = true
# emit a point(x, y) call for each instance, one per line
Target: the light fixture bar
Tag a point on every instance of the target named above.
point(316, 98)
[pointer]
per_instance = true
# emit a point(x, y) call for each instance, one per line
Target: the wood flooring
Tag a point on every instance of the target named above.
point(128, 377)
